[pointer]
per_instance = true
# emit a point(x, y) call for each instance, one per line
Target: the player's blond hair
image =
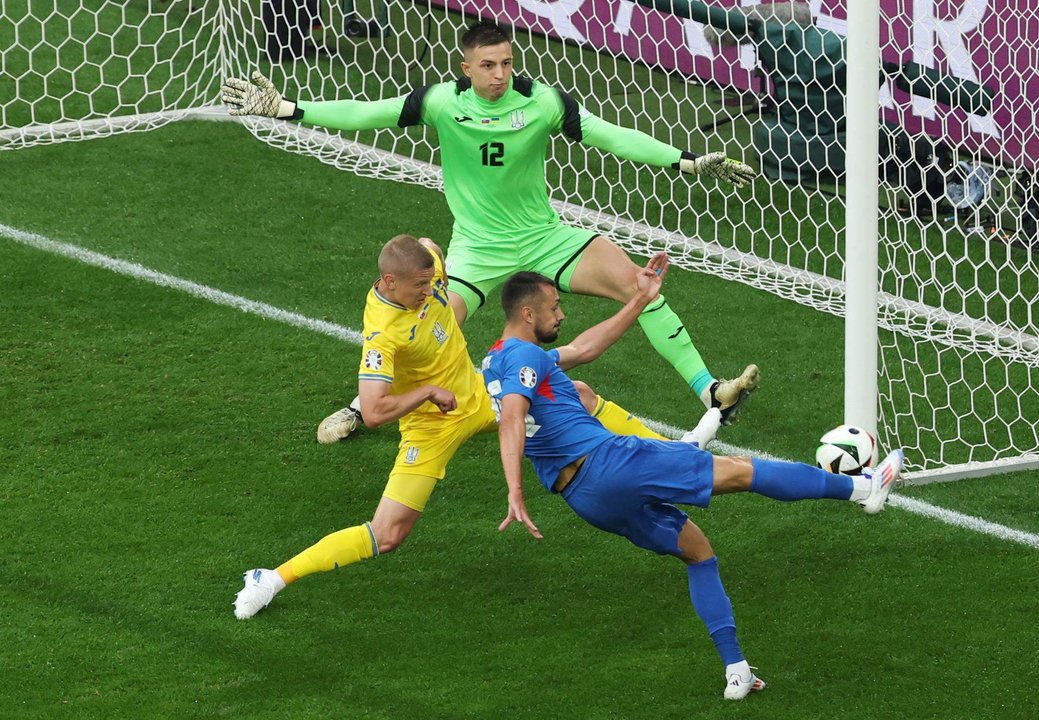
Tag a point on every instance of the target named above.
point(404, 255)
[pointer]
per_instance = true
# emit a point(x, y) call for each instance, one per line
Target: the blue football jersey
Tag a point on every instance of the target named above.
point(559, 429)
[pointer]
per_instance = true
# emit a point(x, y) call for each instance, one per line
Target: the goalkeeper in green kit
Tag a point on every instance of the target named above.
point(494, 128)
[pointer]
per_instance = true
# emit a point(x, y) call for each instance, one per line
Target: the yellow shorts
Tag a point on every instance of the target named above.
point(427, 446)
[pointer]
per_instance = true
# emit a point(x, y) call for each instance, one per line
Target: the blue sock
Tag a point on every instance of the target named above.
point(714, 608)
point(797, 481)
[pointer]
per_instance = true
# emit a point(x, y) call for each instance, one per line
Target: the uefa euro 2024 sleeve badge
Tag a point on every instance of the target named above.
point(373, 360)
point(527, 377)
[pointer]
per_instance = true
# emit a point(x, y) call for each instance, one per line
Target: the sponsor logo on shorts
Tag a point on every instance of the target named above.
point(411, 455)
point(527, 377)
point(373, 360)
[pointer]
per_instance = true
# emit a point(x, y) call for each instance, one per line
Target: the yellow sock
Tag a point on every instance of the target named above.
point(616, 419)
point(344, 547)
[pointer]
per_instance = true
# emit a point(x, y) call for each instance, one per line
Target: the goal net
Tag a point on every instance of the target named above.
point(959, 344)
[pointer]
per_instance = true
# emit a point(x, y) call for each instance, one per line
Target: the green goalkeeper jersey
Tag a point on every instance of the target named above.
point(493, 153)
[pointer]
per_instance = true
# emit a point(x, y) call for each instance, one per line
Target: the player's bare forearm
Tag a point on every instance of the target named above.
point(512, 438)
point(594, 341)
point(381, 407)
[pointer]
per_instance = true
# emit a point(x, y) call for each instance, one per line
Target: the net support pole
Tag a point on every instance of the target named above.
point(862, 215)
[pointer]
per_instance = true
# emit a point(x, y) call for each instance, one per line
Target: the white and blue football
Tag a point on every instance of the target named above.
point(846, 449)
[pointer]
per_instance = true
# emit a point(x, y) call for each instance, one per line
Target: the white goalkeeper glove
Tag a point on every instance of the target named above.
point(718, 166)
point(258, 97)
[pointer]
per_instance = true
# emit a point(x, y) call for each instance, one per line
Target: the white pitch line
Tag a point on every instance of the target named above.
point(959, 519)
point(132, 269)
point(339, 332)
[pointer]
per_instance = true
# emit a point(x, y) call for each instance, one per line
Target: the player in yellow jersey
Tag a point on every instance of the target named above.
point(415, 368)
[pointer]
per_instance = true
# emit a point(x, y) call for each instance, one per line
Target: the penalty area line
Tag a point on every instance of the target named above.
point(339, 332)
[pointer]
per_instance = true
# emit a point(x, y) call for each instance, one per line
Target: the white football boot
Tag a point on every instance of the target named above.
point(260, 588)
point(728, 395)
point(340, 424)
point(705, 430)
point(883, 478)
point(740, 681)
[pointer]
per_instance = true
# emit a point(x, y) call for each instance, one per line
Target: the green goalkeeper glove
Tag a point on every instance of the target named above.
point(258, 97)
point(718, 166)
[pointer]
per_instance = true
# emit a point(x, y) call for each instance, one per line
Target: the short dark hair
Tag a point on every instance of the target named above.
point(520, 290)
point(484, 34)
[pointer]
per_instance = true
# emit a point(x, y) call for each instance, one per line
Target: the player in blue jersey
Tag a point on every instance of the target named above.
point(627, 485)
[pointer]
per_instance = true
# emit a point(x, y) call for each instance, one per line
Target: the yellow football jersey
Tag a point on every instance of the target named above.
point(411, 348)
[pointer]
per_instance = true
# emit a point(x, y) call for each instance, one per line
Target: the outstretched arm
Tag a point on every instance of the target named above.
point(637, 146)
point(512, 438)
point(593, 342)
point(258, 96)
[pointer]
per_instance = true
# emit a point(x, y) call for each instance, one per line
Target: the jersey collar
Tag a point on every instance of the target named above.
point(382, 298)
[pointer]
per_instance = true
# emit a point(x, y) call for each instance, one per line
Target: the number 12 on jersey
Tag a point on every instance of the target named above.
point(493, 152)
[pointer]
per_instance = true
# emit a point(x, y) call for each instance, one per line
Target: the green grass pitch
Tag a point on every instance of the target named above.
point(154, 445)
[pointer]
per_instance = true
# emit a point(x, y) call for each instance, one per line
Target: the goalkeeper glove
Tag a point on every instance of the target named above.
point(718, 166)
point(258, 97)
point(340, 424)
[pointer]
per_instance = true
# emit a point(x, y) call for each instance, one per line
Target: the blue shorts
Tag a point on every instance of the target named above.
point(627, 485)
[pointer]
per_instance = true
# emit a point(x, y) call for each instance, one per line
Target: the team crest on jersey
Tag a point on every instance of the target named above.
point(518, 120)
point(411, 455)
point(527, 377)
point(439, 333)
point(373, 360)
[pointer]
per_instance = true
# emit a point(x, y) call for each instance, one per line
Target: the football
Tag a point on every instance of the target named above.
point(846, 449)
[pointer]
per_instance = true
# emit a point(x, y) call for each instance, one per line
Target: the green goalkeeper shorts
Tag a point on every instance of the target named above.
point(475, 269)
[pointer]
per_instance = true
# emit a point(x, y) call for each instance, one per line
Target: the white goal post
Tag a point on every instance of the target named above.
point(900, 187)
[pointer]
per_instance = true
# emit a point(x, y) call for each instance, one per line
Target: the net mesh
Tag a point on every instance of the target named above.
point(959, 346)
